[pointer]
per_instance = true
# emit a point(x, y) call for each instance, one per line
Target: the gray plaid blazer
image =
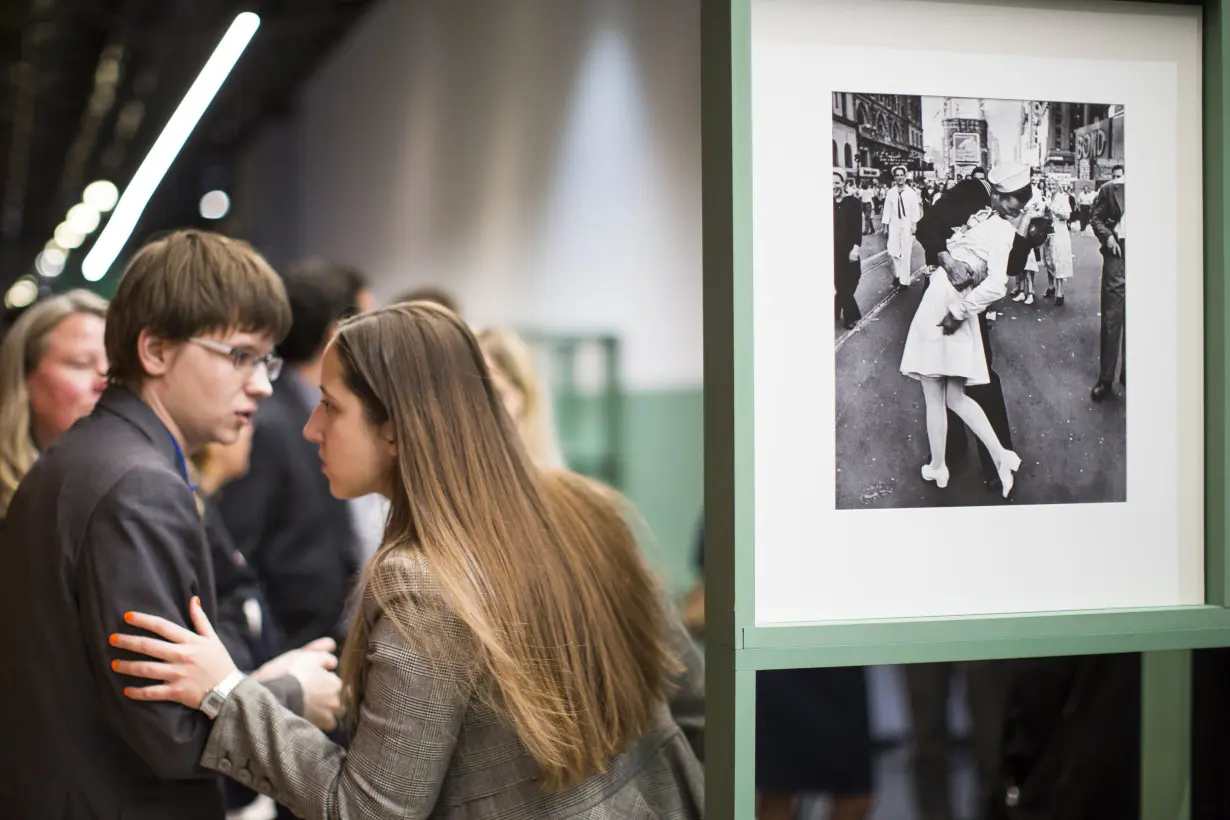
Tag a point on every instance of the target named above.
point(425, 746)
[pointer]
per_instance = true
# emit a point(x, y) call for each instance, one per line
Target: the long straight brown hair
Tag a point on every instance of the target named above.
point(566, 621)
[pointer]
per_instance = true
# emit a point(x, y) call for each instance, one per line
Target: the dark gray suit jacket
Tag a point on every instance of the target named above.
point(104, 523)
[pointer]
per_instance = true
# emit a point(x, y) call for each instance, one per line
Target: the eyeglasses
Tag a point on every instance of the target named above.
point(244, 360)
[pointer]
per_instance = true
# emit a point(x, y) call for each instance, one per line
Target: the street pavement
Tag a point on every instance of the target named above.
point(1072, 450)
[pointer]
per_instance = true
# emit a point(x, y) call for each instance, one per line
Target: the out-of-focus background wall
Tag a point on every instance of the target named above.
point(541, 160)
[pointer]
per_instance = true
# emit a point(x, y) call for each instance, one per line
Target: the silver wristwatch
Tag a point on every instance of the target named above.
point(212, 704)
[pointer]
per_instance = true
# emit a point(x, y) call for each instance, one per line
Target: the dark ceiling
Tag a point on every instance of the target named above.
point(87, 86)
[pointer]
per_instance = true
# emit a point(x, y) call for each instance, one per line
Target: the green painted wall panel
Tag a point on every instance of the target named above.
point(660, 462)
point(663, 475)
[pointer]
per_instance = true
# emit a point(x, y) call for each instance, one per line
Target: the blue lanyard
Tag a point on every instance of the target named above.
point(183, 462)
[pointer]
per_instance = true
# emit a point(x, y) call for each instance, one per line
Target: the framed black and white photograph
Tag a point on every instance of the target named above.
point(979, 261)
point(952, 181)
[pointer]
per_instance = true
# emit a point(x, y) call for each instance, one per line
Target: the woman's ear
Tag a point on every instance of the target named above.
point(155, 353)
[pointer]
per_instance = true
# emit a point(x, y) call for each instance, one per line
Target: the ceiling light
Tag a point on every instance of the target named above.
point(68, 237)
point(22, 293)
point(120, 227)
point(83, 218)
point(215, 205)
point(101, 195)
point(50, 263)
point(54, 256)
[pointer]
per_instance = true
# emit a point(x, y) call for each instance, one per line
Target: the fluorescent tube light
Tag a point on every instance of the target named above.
point(137, 195)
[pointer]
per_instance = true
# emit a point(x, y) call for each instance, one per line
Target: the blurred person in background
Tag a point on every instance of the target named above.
point(813, 729)
point(1070, 746)
point(524, 392)
point(242, 621)
point(513, 654)
point(929, 690)
point(53, 368)
point(302, 542)
point(431, 293)
point(106, 522)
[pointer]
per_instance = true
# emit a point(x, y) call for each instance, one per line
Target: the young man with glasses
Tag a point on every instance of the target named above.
point(106, 522)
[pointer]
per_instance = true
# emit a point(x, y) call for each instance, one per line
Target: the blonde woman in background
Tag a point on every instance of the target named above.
point(523, 392)
point(53, 367)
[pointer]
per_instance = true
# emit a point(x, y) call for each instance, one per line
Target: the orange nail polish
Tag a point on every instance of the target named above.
point(115, 639)
point(115, 666)
point(128, 617)
point(127, 692)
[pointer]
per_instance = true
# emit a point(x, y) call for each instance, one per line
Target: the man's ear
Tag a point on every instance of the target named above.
point(155, 353)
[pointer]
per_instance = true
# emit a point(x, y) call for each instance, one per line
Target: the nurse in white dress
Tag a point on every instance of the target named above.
point(1058, 249)
point(943, 349)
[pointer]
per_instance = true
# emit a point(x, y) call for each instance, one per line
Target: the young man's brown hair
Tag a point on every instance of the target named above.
point(187, 283)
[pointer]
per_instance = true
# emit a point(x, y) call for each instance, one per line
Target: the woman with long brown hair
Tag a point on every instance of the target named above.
point(512, 655)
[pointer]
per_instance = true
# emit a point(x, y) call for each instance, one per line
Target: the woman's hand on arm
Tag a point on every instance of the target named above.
point(191, 664)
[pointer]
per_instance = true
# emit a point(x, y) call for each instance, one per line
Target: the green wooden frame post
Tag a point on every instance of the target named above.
point(726, 158)
point(1166, 706)
point(736, 648)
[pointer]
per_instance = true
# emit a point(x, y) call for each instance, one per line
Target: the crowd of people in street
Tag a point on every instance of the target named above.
point(985, 237)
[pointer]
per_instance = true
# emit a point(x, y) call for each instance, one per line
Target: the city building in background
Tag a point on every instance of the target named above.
point(1098, 145)
point(845, 135)
point(873, 133)
point(966, 137)
point(1077, 142)
point(945, 138)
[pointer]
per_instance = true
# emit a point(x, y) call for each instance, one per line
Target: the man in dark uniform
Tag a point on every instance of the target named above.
point(954, 208)
point(1107, 216)
point(847, 244)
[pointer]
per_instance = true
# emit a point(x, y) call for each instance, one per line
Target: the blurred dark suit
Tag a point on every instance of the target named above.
point(243, 617)
point(294, 533)
point(1071, 741)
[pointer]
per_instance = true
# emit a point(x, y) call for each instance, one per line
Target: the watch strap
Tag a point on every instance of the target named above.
point(212, 704)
